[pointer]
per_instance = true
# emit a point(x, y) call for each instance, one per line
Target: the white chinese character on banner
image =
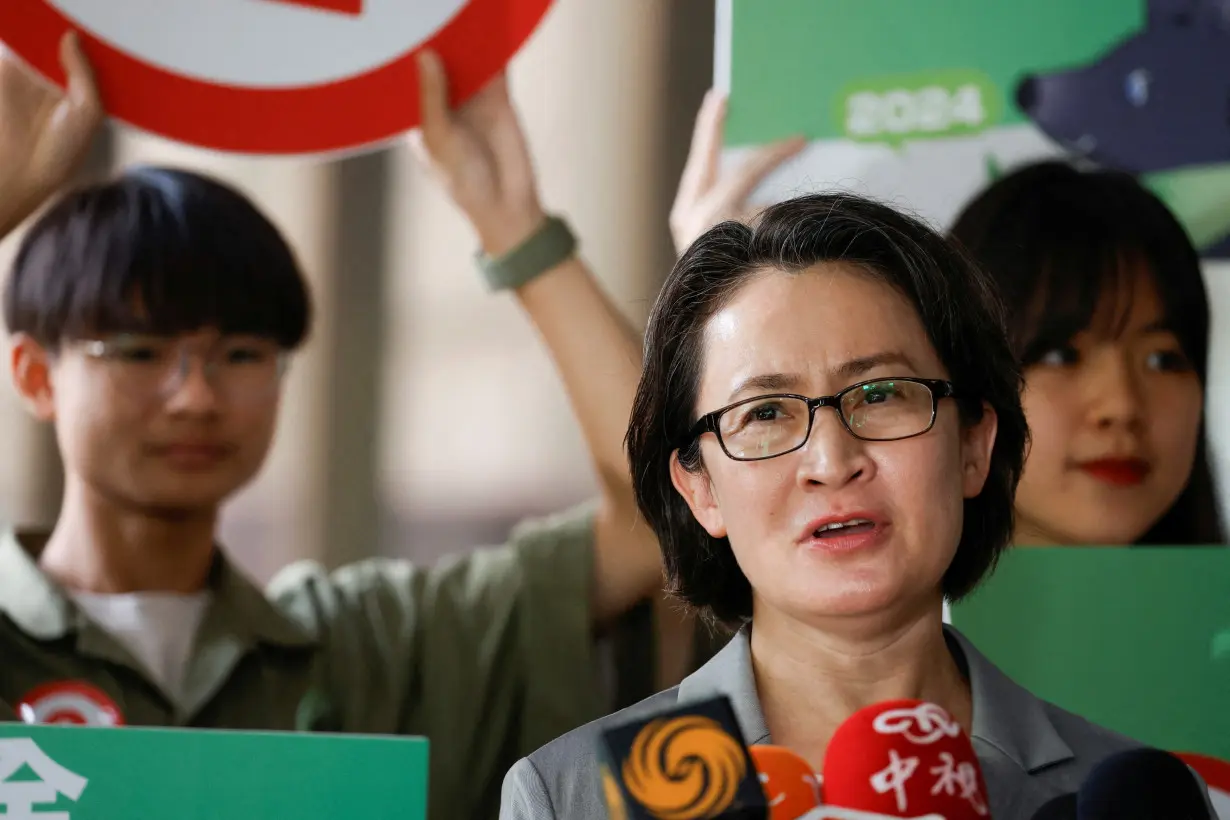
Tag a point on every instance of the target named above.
point(894, 776)
point(19, 798)
point(953, 778)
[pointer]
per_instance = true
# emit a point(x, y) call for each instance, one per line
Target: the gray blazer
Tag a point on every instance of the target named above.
point(1029, 750)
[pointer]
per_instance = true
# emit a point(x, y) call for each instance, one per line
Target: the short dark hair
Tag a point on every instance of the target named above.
point(159, 251)
point(958, 308)
point(1060, 241)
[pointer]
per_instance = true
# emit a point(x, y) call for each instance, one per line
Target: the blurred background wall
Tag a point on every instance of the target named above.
point(424, 417)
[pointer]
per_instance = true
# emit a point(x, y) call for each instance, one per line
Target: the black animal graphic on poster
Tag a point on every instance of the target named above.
point(1155, 103)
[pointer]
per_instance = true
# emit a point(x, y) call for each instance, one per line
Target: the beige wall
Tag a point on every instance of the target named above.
point(474, 412)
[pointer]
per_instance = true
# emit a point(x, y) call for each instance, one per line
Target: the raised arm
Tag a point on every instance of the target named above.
point(480, 156)
point(45, 132)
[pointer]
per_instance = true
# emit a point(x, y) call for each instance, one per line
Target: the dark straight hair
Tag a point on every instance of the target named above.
point(158, 251)
point(1063, 244)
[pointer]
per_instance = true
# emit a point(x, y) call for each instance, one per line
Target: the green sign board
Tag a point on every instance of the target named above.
point(923, 103)
point(1137, 640)
point(884, 70)
point(86, 773)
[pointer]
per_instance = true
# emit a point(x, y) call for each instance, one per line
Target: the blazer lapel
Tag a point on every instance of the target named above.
point(730, 673)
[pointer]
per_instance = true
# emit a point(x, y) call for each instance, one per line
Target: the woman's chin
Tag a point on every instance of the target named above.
point(852, 600)
point(871, 595)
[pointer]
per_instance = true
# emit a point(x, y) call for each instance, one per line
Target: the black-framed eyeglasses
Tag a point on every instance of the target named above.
point(772, 425)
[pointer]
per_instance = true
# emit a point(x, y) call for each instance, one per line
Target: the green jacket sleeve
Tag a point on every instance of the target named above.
point(489, 655)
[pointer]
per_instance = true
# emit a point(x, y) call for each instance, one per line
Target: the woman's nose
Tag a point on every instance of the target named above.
point(1115, 395)
point(832, 455)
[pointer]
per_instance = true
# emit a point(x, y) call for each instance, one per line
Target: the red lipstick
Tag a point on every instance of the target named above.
point(1119, 472)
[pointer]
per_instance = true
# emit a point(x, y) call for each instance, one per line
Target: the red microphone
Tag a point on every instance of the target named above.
point(789, 783)
point(902, 759)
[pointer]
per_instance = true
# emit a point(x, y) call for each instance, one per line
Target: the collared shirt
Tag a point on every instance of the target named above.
point(1029, 750)
point(489, 656)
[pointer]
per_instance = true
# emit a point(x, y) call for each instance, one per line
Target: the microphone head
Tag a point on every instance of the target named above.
point(904, 758)
point(1062, 807)
point(1142, 784)
point(684, 763)
point(789, 783)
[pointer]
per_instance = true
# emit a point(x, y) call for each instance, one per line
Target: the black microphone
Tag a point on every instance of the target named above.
point(686, 763)
point(1143, 784)
point(1062, 807)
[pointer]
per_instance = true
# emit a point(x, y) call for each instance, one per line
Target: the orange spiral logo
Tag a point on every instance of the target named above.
point(684, 768)
point(614, 800)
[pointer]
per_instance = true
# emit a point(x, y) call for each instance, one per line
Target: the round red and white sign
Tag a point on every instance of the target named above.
point(272, 76)
point(72, 702)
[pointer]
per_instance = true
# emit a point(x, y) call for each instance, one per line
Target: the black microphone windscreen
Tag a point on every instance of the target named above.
point(686, 763)
point(1142, 784)
point(1062, 807)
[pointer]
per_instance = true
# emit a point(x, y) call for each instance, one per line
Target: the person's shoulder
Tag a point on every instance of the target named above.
point(549, 534)
point(1089, 742)
point(309, 592)
point(545, 559)
point(561, 779)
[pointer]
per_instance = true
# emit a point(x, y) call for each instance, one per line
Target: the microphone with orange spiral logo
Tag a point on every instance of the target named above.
point(685, 764)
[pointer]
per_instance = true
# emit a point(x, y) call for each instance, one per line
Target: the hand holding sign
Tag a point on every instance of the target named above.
point(706, 198)
point(480, 156)
point(44, 132)
point(273, 76)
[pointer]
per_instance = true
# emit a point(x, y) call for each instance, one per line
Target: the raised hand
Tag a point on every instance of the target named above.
point(480, 156)
point(45, 132)
point(706, 197)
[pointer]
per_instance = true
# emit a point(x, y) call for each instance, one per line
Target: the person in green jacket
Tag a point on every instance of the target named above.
point(152, 318)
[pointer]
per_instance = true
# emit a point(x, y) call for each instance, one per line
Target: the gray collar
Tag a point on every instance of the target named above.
point(1006, 716)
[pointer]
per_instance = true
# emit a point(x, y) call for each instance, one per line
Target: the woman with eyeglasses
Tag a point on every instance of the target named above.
point(826, 439)
point(1111, 320)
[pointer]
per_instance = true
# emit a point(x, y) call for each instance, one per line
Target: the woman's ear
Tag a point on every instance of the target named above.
point(30, 368)
point(697, 490)
point(976, 448)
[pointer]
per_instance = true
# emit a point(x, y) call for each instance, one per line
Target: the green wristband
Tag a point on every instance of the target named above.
point(541, 251)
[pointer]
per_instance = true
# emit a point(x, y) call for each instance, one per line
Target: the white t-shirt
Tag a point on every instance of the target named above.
point(159, 628)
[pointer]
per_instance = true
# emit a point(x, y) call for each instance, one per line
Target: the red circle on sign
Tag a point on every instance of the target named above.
point(336, 116)
point(72, 702)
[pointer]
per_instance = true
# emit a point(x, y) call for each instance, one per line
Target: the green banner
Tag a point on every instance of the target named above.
point(1137, 640)
point(886, 70)
point(86, 773)
point(921, 103)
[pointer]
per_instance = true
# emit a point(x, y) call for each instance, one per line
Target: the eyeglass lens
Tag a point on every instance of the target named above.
point(875, 411)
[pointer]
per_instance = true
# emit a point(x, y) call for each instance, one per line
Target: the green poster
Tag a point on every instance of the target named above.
point(921, 102)
point(86, 773)
point(884, 70)
point(1137, 640)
